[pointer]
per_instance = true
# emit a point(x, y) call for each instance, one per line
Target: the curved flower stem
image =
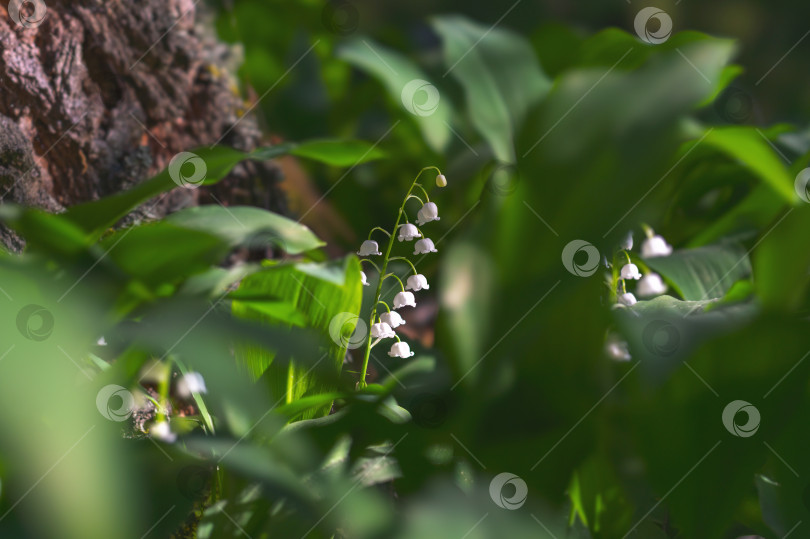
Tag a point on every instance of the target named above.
point(372, 263)
point(380, 229)
point(427, 197)
point(386, 305)
point(416, 197)
point(362, 383)
point(408, 261)
point(395, 277)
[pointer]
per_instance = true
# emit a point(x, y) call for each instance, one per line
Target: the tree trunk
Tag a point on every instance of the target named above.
point(101, 94)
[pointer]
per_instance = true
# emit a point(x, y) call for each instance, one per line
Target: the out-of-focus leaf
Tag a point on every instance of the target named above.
point(339, 153)
point(329, 296)
point(705, 272)
point(500, 75)
point(406, 84)
point(782, 259)
point(248, 226)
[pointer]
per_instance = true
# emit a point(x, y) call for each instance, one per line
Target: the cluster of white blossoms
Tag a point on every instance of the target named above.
point(649, 285)
point(383, 326)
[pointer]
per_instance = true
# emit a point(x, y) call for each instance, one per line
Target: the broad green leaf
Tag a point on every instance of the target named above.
point(329, 296)
point(500, 75)
point(407, 85)
point(745, 145)
point(781, 260)
point(247, 226)
point(45, 231)
point(339, 153)
point(705, 272)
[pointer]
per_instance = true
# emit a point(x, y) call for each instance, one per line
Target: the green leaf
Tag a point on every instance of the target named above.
point(329, 296)
point(245, 226)
point(745, 145)
point(396, 73)
point(339, 153)
point(500, 75)
point(705, 272)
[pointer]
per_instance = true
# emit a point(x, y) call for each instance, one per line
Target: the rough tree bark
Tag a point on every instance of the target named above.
point(103, 93)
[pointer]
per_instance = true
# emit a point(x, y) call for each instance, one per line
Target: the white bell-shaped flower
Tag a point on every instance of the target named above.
point(382, 331)
point(190, 383)
point(161, 431)
point(651, 285)
point(627, 299)
point(407, 232)
point(627, 241)
point(441, 181)
point(630, 271)
point(655, 246)
point(428, 213)
point(416, 283)
point(369, 247)
point(617, 349)
point(404, 299)
point(424, 246)
point(363, 278)
point(393, 319)
point(400, 349)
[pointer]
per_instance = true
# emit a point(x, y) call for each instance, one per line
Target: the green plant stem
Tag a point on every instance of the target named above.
point(381, 230)
point(408, 261)
point(397, 278)
point(427, 197)
point(387, 308)
point(372, 263)
point(362, 383)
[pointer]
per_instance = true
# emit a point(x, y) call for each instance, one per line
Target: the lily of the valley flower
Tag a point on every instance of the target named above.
point(400, 349)
point(416, 283)
point(407, 232)
point(655, 246)
point(441, 181)
point(630, 271)
point(404, 299)
point(363, 278)
point(393, 319)
point(428, 213)
point(424, 246)
point(617, 349)
point(382, 331)
point(369, 247)
point(651, 285)
point(627, 299)
point(190, 383)
point(161, 431)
